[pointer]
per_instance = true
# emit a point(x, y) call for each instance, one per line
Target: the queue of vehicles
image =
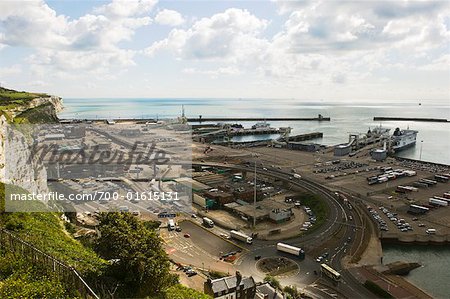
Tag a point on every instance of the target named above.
point(389, 174)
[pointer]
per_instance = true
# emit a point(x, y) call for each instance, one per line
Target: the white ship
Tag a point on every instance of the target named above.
point(402, 139)
point(261, 126)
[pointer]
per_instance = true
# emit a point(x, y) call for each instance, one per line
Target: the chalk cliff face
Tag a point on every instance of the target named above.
point(20, 167)
point(54, 103)
point(16, 167)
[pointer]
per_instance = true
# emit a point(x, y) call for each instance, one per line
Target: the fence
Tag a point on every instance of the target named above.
point(63, 272)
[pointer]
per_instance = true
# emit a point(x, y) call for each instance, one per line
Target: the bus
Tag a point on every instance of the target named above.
point(330, 272)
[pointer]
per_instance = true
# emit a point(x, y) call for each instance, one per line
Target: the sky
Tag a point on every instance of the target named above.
point(307, 50)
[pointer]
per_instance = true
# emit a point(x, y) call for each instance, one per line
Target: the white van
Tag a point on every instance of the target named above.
point(431, 231)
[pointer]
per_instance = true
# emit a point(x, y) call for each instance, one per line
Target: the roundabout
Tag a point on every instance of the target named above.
point(278, 266)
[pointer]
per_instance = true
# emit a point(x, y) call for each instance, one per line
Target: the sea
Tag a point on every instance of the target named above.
point(433, 142)
point(432, 276)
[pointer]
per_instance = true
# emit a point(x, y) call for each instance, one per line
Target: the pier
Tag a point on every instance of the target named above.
point(383, 118)
point(304, 137)
point(231, 119)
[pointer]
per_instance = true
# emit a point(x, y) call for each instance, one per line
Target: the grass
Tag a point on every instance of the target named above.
point(40, 114)
point(20, 278)
point(46, 231)
point(11, 99)
point(217, 274)
point(9, 96)
point(317, 206)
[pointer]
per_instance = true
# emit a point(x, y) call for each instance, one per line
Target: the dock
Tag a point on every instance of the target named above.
point(384, 118)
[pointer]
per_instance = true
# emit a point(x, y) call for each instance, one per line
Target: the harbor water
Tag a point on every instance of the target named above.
point(433, 140)
point(432, 277)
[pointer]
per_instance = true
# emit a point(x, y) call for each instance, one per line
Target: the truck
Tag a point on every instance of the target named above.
point(208, 222)
point(297, 251)
point(171, 224)
point(241, 237)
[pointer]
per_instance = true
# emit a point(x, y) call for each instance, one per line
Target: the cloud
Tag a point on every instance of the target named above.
point(228, 70)
point(10, 70)
point(227, 35)
point(90, 42)
point(351, 40)
point(125, 8)
point(169, 17)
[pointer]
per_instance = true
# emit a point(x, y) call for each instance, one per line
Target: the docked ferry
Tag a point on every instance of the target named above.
point(402, 139)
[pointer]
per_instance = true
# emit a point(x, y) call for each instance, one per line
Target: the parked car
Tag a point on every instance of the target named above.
point(191, 273)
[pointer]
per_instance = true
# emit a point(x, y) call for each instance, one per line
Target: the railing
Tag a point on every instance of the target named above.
point(63, 272)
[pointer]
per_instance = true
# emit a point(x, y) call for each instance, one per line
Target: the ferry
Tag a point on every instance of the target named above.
point(403, 139)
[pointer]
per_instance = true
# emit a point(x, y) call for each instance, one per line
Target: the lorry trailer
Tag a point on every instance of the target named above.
point(241, 237)
point(297, 251)
point(437, 202)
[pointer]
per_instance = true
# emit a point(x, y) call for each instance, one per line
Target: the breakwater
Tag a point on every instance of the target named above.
point(219, 119)
point(384, 118)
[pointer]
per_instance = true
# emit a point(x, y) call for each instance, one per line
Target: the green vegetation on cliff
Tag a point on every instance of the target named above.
point(138, 266)
point(9, 96)
point(21, 279)
point(12, 99)
point(38, 115)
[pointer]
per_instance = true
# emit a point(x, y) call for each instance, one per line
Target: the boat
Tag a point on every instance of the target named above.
point(403, 139)
point(261, 126)
point(378, 131)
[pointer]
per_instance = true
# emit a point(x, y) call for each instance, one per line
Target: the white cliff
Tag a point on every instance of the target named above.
point(16, 166)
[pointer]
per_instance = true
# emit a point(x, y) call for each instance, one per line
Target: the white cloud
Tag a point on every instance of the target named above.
point(126, 8)
point(169, 17)
point(228, 70)
point(224, 35)
point(31, 23)
point(90, 42)
point(10, 70)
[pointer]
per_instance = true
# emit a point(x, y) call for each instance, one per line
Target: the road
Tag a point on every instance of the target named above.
point(338, 223)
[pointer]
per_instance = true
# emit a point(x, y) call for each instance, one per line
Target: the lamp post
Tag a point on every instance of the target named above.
point(421, 146)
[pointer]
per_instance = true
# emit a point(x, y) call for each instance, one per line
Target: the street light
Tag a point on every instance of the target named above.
point(421, 146)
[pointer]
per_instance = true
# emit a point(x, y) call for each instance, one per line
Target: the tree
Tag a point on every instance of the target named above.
point(179, 291)
point(272, 281)
point(292, 292)
point(139, 264)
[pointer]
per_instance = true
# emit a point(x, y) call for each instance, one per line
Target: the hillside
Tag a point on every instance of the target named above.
point(141, 266)
point(26, 107)
point(46, 232)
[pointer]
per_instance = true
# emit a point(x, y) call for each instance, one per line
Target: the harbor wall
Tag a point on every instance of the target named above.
point(415, 239)
point(383, 118)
